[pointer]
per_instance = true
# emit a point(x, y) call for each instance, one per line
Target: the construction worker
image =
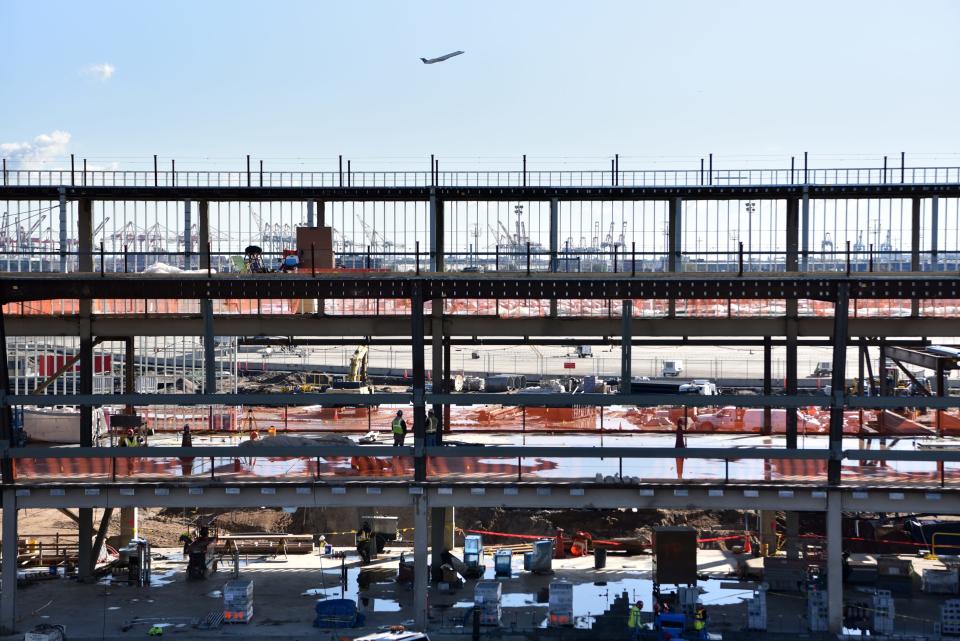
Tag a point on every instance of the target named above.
point(363, 542)
point(432, 428)
point(129, 439)
point(700, 622)
point(634, 622)
point(399, 428)
point(186, 462)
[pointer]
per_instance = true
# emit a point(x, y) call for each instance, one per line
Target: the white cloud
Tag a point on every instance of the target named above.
point(101, 71)
point(44, 148)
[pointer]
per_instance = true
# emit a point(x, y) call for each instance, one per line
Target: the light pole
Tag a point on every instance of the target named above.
point(750, 207)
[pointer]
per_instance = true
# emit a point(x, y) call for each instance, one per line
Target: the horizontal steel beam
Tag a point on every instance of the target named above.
point(922, 359)
point(479, 326)
point(554, 495)
point(466, 193)
point(16, 287)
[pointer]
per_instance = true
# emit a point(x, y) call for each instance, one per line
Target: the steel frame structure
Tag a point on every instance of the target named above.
point(423, 493)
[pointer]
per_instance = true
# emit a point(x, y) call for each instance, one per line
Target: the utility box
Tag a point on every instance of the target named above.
point(674, 555)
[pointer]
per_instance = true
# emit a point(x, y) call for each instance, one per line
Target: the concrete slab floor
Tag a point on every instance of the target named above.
point(286, 589)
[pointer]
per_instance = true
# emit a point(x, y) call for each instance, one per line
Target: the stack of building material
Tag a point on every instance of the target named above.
point(784, 575)
point(817, 610)
point(561, 604)
point(883, 612)
point(950, 618)
point(315, 247)
point(940, 581)
point(503, 563)
point(540, 560)
point(757, 609)
point(895, 574)
point(486, 597)
point(238, 601)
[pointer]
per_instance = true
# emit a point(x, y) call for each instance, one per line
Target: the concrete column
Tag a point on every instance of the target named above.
point(421, 570)
point(834, 562)
point(203, 233)
point(8, 595)
point(793, 535)
point(768, 532)
point(626, 348)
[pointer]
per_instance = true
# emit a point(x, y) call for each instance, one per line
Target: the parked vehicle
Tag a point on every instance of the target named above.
point(740, 419)
point(672, 368)
point(584, 351)
point(823, 368)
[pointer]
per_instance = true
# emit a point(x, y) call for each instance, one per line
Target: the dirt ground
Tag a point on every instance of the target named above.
point(164, 527)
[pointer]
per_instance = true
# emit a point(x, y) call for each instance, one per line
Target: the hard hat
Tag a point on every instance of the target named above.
point(254, 435)
point(430, 412)
point(399, 412)
point(186, 426)
point(129, 431)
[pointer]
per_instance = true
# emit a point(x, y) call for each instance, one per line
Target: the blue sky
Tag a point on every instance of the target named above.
point(297, 82)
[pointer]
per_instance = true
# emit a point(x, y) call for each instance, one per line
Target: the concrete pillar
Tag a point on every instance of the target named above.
point(421, 570)
point(834, 562)
point(626, 348)
point(793, 535)
point(768, 532)
point(8, 595)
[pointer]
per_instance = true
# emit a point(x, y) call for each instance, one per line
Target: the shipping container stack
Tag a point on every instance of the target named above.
point(238, 601)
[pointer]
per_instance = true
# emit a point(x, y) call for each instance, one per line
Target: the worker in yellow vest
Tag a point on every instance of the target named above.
point(634, 622)
point(399, 429)
point(432, 427)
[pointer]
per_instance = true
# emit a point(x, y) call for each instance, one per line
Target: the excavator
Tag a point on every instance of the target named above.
point(355, 381)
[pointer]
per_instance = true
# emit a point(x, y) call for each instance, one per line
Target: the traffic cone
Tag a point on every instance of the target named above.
point(746, 544)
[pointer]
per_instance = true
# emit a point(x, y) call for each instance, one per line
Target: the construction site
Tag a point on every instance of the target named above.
point(697, 403)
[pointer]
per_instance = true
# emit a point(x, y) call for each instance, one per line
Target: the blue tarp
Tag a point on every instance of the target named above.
point(337, 613)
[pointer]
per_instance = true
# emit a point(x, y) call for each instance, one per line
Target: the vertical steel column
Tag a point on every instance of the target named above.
point(447, 377)
point(554, 246)
point(187, 236)
point(8, 596)
point(767, 384)
point(838, 382)
point(437, 351)
point(6, 412)
point(321, 214)
point(674, 245)
point(834, 561)
point(63, 230)
point(914, 248)
point(792, 265)
point(436, 232)
point(85, 559)
point(934, 229)
point(626, 348)
point(209, 349)
point(805, 228)
point(203, 234)
point(310, 213)
point(421, 569)
point(419, 380)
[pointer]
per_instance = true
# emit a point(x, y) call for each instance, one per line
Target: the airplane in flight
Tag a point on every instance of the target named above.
point(430, 61)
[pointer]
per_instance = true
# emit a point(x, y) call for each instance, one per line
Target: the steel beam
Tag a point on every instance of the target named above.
point(916, 357)
point(476, 193)
point(838, 386)
point(8, 573)
point(203, 232)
